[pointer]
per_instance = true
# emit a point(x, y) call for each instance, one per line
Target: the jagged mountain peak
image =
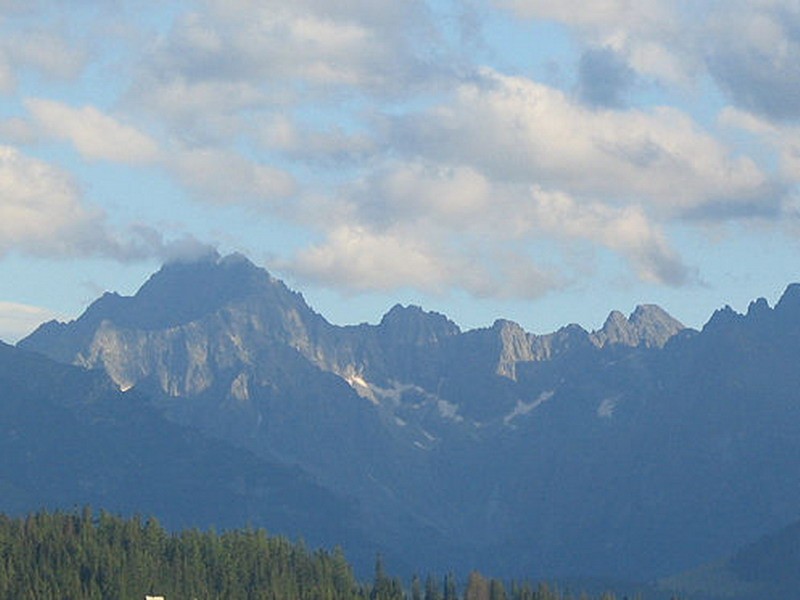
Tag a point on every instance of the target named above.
point(645, 313)
point(506, 325)
point(615, 318)
point(648, 325)
point(758, 307)
point(400, 311)
point(654, 325)
point(183, 291)
point(414, 324)
point(617, 329)
point(180, 293)
point(207, 276)
point(784, 316)
point(790, 300)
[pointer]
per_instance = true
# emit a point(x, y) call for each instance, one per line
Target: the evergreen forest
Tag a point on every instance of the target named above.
point(82, 556)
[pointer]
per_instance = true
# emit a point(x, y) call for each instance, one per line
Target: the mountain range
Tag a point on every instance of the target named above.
point(636, 451)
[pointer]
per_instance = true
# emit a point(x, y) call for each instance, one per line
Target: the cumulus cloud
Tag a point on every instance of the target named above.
point(751, 48)
point(603, 13)
point(756, 56)
point(361, 259)
point(27, 46)
point(441, 227)
point(95, 135)
point(47, 52)
point(358, 259)
point(508, 164)
point(308, 43)
point(229, 57)
point(329, 145)
point(457, 198)
point(39, 207)
point(625, 230)
point(515, 129)
point(375, 46)
point(42, 214)
point(7, 79)
point(226, 177)
point(18, 131)
point(655, 36)
point(782, 138)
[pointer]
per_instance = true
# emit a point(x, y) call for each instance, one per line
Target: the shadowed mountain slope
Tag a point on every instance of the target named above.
point(70, 438)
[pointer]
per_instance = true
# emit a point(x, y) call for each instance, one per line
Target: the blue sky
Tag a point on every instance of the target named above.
point(537, 161)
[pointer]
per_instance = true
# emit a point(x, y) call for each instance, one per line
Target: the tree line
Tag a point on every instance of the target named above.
point(82, 556)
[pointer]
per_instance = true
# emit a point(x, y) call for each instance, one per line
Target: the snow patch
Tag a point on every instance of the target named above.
point(431, 438)
point(524, 408)
point(357, 381)
point(361, 387)
point(240, 388)
point(606, 408)
point(448, 410)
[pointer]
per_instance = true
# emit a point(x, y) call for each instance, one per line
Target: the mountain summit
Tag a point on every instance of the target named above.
point(648, 325)
point(181, 309)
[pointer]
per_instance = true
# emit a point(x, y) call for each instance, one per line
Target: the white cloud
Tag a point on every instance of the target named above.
point(357, 259)
point(783, 138)
point(330, 145)
point(437, 228)
point(18, 320)
point(39, 207)
point(7, 79)
point(656, 36)
point(226, 177)
point(199, 112)
point(514, 129)
point(599, 13)
point(42, 214)
point(27, 45)
point(455, 198)
point(278, 44)
point(226, 58)
point(47, 52)
point(751, 48)
point(18, 131)
point(625, 230)
point(95, 135)
point(754, 55)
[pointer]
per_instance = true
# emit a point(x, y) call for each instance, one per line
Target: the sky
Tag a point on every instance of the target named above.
point(544, 162)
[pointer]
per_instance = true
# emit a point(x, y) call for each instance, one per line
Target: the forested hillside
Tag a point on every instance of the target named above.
point(82, 556)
